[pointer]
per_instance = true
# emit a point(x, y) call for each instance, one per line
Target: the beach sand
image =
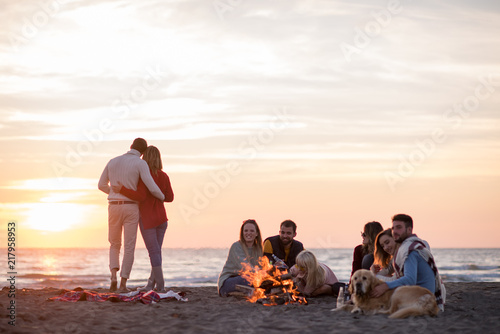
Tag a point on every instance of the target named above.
point(470, 308)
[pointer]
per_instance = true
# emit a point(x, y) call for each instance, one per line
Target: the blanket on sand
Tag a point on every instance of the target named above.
point(134, 296)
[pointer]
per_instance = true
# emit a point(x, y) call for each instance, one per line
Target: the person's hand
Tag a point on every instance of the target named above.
point(375, 268)
point(379, 290)
point(117, 187)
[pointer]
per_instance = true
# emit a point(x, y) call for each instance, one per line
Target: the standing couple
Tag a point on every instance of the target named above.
point(137, 189)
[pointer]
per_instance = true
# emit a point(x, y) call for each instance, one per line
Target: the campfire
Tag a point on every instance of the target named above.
point(270, 285)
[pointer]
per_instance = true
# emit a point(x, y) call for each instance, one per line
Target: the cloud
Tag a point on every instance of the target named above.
point(221, 79)
point(53, 184)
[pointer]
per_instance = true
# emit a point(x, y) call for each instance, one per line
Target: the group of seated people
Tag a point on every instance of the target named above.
point(312, 278)
point(395, 255)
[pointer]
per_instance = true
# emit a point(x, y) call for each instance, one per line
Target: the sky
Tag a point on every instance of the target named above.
point(329, 113)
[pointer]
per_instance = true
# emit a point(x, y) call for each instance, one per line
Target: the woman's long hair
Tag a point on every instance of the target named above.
point(371, 230)
point(257, 249)
point(315, 273)
point(382, 258)
point(153, 157)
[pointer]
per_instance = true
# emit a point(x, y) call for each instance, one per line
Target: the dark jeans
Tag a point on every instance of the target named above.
point(153, 239)
point(229, 285)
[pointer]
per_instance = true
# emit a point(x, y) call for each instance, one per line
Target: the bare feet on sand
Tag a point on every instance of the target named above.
point(114, 282)
point(114, 286)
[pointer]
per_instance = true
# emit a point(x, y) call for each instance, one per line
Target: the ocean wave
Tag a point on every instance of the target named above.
point(469, 267)
point(493, 277)
point(58, 276)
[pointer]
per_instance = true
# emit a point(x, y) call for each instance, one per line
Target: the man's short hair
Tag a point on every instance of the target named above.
point(404, 218)
point(139, 144)
point(289, 223)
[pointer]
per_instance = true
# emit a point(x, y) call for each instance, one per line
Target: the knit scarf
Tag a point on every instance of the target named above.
point(413, 243)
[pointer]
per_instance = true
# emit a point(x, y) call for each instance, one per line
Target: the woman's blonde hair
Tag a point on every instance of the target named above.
point(315, 273)
point(153, 157)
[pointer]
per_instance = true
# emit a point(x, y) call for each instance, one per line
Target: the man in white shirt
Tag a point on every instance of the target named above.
point(123, 213)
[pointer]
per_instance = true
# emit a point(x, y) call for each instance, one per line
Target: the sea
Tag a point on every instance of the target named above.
point(70, 268)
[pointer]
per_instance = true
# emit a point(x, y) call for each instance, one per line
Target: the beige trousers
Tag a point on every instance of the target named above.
point(122, 217)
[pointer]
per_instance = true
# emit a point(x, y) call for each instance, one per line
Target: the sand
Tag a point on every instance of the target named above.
point(470, 308)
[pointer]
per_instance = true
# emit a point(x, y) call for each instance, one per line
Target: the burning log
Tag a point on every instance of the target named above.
point(282, 298)
point(267, 285)
point(271, 286)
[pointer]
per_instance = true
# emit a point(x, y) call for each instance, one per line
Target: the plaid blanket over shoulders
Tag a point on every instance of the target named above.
point(413, 243)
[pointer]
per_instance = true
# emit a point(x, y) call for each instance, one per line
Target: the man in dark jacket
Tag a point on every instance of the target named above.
point(283, 245)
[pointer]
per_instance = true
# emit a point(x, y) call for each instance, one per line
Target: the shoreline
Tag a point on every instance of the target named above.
point(471, 307)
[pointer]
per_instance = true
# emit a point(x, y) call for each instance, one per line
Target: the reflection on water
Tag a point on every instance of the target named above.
point(69, 268)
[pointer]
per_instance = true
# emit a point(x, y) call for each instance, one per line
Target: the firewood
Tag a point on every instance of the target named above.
point(248, 290)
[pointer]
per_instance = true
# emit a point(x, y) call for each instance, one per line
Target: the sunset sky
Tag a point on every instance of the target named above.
point(330, 113)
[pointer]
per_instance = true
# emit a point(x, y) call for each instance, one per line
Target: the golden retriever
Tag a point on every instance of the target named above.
point(402, 302)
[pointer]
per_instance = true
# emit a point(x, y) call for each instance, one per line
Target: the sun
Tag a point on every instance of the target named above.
point(54, 217)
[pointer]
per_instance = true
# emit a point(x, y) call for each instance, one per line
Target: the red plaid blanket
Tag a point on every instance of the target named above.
point(92, 296)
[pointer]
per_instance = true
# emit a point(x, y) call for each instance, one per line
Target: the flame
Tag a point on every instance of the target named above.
point(272, 277)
